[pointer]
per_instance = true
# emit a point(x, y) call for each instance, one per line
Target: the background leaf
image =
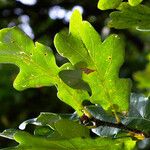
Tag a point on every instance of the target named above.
point(107, 4)
point(143, 77)
point(134, 2)
point(139, 113)
point(128, 16)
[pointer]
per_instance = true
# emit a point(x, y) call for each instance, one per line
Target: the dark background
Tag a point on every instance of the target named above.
point(41, 21)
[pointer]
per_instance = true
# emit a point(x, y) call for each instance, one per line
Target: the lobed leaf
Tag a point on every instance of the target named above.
point(131, 17)
point(37, 66)
point(36, 62)
point(107, 4)
point(99, 62)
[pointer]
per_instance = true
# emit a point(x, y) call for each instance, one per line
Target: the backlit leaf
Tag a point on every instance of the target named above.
point(111, 4)
point(134, 2)
point(29, 142)
point(36, 62)
point(103, 60)
point(37, 66)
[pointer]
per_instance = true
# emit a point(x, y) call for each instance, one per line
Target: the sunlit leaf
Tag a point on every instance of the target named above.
point(36, 62)
point(37, 66)
point(107, 4)
point(27, 141)
point(134, 2)
point(83, 46)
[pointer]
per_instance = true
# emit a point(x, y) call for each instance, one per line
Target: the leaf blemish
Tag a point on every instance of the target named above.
point(109, 58)
point(87, 70)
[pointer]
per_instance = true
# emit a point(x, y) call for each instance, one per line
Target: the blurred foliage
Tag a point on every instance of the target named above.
point(15, 106)
point(106, 4)
point(139, 17)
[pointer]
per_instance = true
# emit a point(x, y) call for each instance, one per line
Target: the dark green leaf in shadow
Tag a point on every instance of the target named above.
point(144, 144)
point(44, 131)
point(139, 113)
point(143, 76)
point(105, 131)
point(73, 78)
point(99, 113)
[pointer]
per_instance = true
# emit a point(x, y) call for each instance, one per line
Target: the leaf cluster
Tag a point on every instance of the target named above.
point(115, 118)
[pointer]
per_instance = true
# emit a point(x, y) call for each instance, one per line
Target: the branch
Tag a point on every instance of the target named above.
point(96, 123)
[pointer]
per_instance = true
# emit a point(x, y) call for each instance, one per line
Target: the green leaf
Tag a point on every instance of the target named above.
point(62, 124)
point(44, 119)
point(131, 17)
point(107, 4)
point(27, 141)
point(64, 127)
point(102, 60)
point(143, 77)
point(48, 119)
point(73, 78)
point(105, 131)
point(139, 113)
point(100, 114)
point(73, 97)
point(70, 129)
point(134, 2)
point(36, 62)
point(37, 66)
point(44, 131)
